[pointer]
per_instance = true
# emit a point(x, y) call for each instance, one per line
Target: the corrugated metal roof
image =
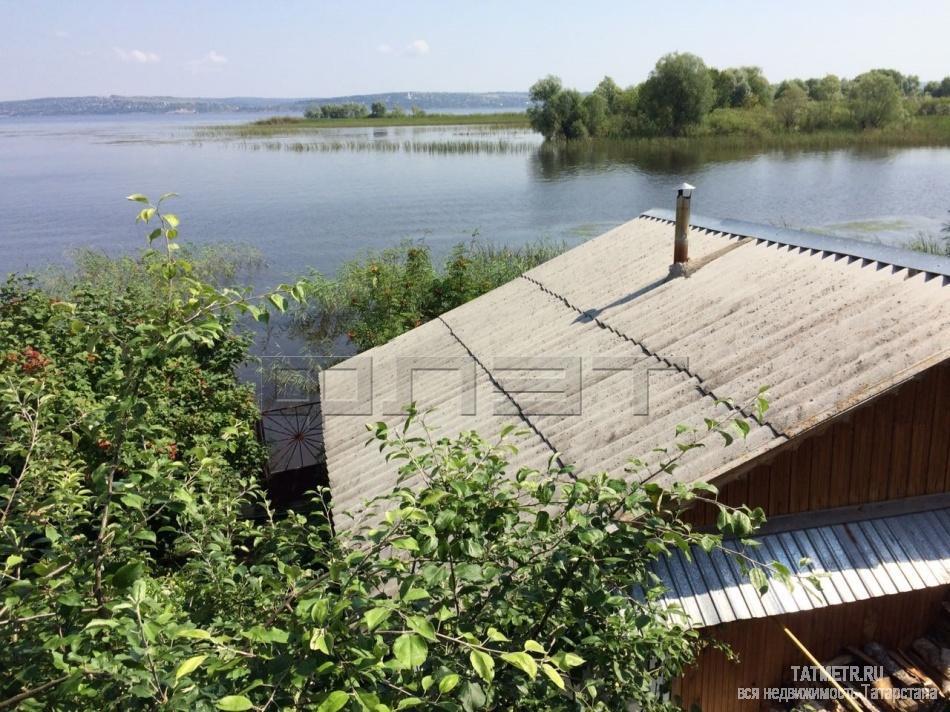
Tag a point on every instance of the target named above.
point(823, 328)
point(854, 560)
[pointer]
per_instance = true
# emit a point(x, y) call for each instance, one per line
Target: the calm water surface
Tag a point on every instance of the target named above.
point(316, 200)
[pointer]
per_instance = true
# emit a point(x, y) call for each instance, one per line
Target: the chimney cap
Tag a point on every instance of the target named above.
point(685, 189)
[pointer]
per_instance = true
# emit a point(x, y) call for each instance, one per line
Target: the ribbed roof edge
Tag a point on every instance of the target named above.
point(885, 254)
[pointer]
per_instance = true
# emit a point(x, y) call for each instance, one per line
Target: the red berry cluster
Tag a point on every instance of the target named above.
point(30, 360)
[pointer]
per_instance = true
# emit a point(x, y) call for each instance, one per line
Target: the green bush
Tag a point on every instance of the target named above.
point(377, 298)
point(875, 99)
point(142, 567)
point(726, 122)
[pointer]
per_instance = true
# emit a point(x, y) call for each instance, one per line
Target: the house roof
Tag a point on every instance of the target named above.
point(825, 323)
point(854, 559)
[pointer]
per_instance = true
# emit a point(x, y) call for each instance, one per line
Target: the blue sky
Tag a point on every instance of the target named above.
point(290, 48)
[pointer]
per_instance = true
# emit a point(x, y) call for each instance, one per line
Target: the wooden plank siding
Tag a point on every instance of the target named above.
point(896, 446)
point(765, 654)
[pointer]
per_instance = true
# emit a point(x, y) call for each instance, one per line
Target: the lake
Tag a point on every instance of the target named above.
point(313, 201)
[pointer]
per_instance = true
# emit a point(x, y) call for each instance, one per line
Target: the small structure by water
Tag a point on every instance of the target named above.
point(602, 352)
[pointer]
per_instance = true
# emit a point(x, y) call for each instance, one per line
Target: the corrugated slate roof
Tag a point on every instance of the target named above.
point(854, 560)
point(825, 323)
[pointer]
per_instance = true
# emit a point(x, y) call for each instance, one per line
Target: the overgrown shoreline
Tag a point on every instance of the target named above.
point(290, 124)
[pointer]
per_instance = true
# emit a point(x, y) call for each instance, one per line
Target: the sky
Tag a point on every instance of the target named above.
point(292, 48)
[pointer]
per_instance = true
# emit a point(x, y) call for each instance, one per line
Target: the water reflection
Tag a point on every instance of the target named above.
point(552, 161)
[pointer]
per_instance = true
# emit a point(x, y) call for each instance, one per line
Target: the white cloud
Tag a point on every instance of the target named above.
point(210, 62)
point(136, 55)
point(416, 48)
point(62, 34)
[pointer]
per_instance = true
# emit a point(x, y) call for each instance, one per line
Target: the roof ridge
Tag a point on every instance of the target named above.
point(845, 246)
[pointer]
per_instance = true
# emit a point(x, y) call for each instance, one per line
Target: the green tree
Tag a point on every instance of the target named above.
point(611, 93)
point(828, 88)
point(790, 106)
point(785, 84)
point(760, 86)
point(938, 89)
point(678, 93)
point(557, 112)
point(377, 110)
point(908, 84)
point(740, 87)
point(596, 114)
point(542, 113)
point(874, 99)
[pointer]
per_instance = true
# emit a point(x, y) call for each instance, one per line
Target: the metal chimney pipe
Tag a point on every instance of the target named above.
point(681, 232)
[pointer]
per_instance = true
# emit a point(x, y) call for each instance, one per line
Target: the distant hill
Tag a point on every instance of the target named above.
point(430, 101)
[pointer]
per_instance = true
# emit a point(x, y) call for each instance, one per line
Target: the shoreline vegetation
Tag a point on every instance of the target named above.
point(683, 102)
point(291, 124)
point(919, 131)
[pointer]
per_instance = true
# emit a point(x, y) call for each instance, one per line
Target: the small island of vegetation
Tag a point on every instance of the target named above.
point(684, 98)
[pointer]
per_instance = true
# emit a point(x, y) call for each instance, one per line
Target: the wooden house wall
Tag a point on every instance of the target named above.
point(766, 654)
point(896, 446)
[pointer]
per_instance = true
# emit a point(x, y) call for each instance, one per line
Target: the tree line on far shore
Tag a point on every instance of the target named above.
point(355, 110)
point(683, 96)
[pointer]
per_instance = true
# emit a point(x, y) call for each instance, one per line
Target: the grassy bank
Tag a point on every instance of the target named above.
point(750, 130)
point(915, 132)
point(290, 124)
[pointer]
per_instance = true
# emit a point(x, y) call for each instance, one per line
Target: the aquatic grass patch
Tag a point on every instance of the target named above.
point(383, 294)
point(444, 147)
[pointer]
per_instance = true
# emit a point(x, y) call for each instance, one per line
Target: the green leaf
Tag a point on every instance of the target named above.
point(571, 660)
point(472, 697)
point(534, 646)
point(336, 700)
point(407, 543)
point(522, 661)
point(278, 301)
point(483, 663)
point(137, 197)
point(553, 675)
point(189, 666)
point(448, 683)
point(318, 641)
point(127, 575)
point(172, 219)
point(495, 636)
point(376, 616)
point(410, 650)
point(408, 702)
point(415, 594)
point(101, 623)
point(234, 703)
point(13, 560)
point(195, 633)
point(759, 580)
point(421, 626)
